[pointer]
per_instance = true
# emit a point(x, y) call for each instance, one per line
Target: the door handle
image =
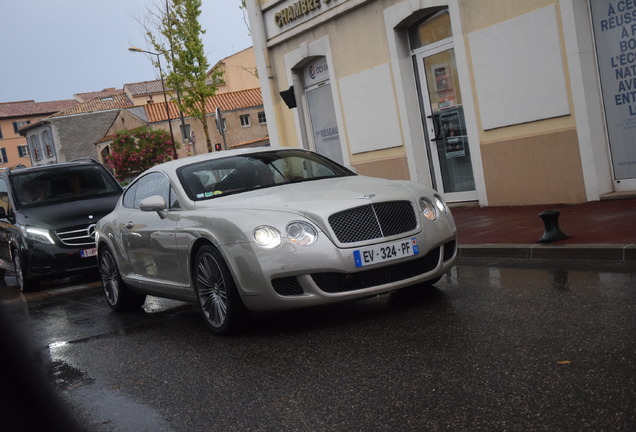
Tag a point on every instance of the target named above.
point(130, 224)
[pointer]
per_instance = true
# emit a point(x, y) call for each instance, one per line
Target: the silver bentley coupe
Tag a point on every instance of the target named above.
point(263, 230)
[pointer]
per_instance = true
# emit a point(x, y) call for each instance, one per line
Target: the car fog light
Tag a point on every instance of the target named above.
point(428, 209)
point(267, 236)
point(301, 233)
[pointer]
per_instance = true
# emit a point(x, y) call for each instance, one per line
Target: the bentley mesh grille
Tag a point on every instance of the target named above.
point(373, 221)
point(287, 286)
point(343, 282)
point(83, 235)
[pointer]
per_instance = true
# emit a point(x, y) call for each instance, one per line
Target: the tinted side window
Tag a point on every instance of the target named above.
point(4, 196)
point(149, 185)
point(174, 200)
point(129, 196)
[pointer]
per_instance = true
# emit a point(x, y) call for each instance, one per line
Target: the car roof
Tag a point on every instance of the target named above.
point(49, 167)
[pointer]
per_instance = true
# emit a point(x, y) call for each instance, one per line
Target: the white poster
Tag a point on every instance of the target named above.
point(615, 31)
point(323, 122)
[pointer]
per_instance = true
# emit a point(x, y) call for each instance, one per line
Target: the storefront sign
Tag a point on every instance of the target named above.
point(298, 9)
point(615, 32)
point(316, 72)
point(293, 13)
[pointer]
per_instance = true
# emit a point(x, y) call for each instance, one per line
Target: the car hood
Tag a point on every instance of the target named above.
point(322, 197)
point(60, 215)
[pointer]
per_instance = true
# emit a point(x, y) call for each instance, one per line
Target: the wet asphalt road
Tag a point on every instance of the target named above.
point(493, 347)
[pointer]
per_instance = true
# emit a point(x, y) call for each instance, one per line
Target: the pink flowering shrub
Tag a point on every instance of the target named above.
point(133, 152)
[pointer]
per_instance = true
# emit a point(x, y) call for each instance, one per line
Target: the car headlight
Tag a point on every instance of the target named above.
point(429, 210)
point(39, 234)
point(301, 233)
point(267, 236)
point(441, 204)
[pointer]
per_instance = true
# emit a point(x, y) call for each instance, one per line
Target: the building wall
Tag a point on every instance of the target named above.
point(11, 140)
point(149, 98)
point(239, 72)
point(74, 136)
point(546, 147)
point(78, 136)
point(538, 160)
point(234, 134)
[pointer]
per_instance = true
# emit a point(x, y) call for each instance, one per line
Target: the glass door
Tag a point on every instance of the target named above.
point(444, 120)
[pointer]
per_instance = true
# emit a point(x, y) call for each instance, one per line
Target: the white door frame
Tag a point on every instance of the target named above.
point(420, 54)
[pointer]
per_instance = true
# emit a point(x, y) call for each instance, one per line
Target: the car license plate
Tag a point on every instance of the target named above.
point(88, 252)
point(385, 252)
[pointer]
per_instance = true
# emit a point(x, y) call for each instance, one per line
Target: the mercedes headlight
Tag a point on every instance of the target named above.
point(39, 234)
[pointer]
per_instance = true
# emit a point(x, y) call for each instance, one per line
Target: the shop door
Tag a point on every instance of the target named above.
point(322, 114)
point(444, 121)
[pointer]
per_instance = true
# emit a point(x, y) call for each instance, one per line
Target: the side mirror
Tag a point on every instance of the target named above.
point(3, 213)
point(153, 203)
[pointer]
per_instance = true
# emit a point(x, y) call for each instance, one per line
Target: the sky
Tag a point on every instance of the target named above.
point(52, 49)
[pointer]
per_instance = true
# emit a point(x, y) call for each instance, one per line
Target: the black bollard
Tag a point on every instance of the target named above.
point(552, 231)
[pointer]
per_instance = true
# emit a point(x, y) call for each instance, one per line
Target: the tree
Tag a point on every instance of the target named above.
point(133, 152)
point(180, 43)
point(243, 8)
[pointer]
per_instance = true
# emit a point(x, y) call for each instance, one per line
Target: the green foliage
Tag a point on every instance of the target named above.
point(133, 152)
point(182, 46)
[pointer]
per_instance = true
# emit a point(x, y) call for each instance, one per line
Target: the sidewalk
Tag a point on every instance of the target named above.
point(598, 230)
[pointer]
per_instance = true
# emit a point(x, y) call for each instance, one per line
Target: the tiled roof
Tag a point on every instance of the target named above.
point(101, 103)
point(253, 143)
point(83, 97)
point(32, 108)
point(235, 100)
point(156, 112)
point(144, 88)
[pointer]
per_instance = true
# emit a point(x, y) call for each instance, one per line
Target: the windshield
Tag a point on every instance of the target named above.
point(218, 177)
point(36, 188)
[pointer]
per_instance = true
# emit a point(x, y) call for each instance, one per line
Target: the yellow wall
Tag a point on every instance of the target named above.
point(239, 72)
point(11, 141)
point(535, 169)
point(530, 163)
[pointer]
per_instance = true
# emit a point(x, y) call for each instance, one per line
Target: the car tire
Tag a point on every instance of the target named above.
point(2, 274)
point(24, 282)
point(218, 299)
point(118, 295)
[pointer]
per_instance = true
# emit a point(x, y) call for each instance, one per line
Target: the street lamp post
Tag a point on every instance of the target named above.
point(165, 96)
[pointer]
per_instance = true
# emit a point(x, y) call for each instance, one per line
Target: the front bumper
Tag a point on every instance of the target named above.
point(324, 273)
point(52, 260)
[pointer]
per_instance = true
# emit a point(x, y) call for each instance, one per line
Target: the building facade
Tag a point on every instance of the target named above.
point(14, 150)
point(242, 114)
point(239, 72)
point(71, 133)
point(500, 103)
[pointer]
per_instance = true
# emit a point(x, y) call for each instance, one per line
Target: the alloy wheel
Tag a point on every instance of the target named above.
point(110, 277)
point(212, 290)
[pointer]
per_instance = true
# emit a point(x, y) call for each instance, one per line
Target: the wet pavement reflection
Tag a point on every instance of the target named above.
point(495, 345)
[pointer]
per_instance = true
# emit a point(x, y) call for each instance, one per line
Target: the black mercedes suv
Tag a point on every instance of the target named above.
point(47, 219)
